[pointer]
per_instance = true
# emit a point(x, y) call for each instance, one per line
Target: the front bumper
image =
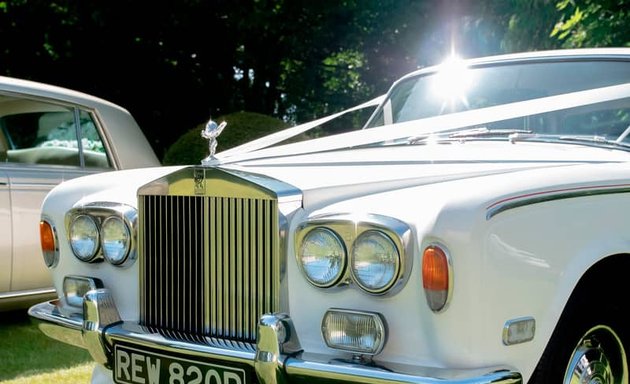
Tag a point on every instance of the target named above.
point(277, 357)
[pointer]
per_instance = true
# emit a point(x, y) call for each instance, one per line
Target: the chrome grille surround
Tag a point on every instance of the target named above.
point(212, 253)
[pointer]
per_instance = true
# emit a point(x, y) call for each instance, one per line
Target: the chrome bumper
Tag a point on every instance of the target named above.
point(277, 358)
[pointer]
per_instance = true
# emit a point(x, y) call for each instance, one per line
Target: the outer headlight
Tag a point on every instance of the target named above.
point(323, 257)
point(84, 237)
point(115, 240)
point(375, 261)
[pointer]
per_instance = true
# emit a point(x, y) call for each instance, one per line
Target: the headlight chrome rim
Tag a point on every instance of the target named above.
point(87, 255)
point(100, 213)
point(350, 227)
point(105, 246)
point(338, 270)
point(391, 270)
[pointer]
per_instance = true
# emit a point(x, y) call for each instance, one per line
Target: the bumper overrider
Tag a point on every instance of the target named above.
point(277, 358)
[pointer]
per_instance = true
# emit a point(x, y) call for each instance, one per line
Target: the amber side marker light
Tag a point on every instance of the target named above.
point(436, 276)
point(48, 240)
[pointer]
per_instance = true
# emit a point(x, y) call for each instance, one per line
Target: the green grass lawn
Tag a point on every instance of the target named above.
point(29, 356)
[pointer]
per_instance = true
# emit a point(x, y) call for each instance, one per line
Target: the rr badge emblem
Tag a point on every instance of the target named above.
point(199, 178)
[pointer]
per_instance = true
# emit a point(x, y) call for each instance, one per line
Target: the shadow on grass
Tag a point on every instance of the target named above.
point(25, 350)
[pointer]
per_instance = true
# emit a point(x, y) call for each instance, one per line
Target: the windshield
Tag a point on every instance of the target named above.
point(453, 87)
point(578, 101)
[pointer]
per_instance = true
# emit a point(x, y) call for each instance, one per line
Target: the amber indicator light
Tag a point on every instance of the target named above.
point(46, 236)
point(434, 269)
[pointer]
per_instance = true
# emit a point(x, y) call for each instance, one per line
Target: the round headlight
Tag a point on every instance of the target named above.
point(84, 237)
point(323, 257)
point(115, 240)
point(375, 261)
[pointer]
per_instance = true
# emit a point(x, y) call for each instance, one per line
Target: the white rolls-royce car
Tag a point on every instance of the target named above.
point(50, 134)
point(474, 230)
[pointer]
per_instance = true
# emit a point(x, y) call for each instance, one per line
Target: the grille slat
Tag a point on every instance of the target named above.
point(208, 264)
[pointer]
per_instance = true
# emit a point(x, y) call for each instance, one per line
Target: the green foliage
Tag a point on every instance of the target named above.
point(593, 23)
point(530, 26)
point(241, 127)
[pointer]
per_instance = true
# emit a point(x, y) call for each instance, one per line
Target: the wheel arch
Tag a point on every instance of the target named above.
point(596, 296)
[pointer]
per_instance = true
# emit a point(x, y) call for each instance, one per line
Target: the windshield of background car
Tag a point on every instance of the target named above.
point(456, 88)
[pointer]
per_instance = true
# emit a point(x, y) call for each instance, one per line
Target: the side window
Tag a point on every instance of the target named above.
point(43, 133)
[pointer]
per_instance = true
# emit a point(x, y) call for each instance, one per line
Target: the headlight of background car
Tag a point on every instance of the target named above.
point(323, 257)
point(103, 231)
point(84, 237)
point(375, 261)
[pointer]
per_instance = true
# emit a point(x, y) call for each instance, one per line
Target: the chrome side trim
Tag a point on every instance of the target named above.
point(542, 197)
point(31, 292)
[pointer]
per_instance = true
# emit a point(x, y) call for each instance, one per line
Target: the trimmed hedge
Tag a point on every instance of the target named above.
point(241, 127)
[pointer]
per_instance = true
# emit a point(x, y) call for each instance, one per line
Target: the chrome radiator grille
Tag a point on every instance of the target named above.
point(209, 265)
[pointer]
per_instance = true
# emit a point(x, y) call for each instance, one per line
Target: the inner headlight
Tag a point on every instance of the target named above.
point(116, 240)
point(375, 261)
point(84, 238)
point(323, 257)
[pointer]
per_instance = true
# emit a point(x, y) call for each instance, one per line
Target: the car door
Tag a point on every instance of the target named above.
point(43, 150)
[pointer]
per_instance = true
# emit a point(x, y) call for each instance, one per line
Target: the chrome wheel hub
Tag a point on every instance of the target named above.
point(599, 358)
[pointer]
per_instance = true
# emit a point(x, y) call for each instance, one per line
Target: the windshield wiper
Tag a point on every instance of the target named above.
point(594, 140)
point(485, 132)
point(468, 133)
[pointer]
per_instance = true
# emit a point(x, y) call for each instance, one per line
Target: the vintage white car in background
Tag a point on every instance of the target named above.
point(39, 148)
point(474, 231)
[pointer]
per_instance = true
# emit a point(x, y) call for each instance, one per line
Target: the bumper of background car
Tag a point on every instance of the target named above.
point(276, 359)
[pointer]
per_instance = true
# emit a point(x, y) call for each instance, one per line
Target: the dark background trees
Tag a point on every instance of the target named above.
point(174, 64)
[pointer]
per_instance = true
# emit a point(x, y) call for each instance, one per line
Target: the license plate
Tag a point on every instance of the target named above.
point(136, 366)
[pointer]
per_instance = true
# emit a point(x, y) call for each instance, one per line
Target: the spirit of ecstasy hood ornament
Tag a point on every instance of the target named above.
point(211, 132)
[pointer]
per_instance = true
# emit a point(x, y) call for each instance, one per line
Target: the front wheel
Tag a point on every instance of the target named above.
point(588, 347)
point(599, 357)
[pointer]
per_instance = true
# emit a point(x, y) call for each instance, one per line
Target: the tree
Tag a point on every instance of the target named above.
point(588, 23)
